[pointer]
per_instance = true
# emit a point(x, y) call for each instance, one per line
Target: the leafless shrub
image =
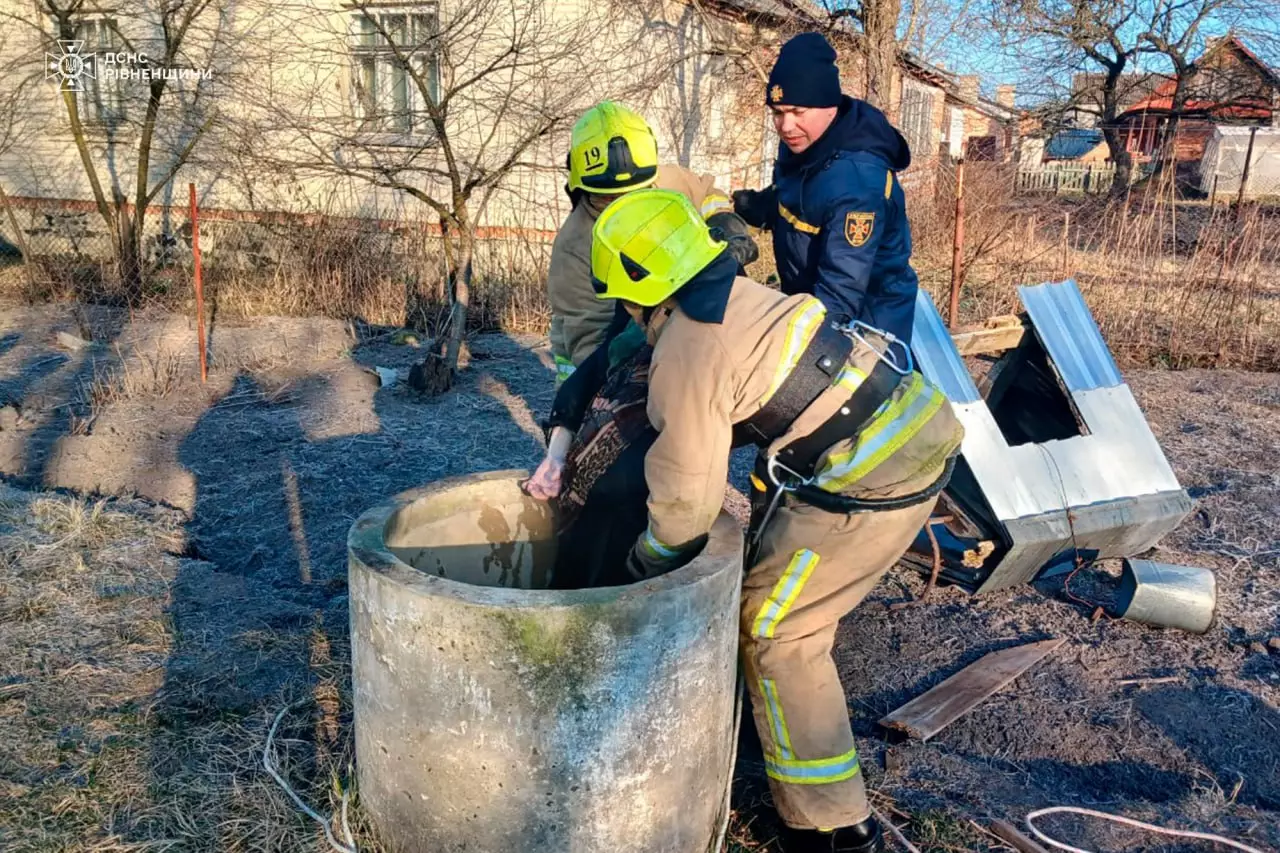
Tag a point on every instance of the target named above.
point(1170, 281)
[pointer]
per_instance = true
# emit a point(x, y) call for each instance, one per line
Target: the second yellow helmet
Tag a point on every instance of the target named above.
point(647, 245)
point(612, 151)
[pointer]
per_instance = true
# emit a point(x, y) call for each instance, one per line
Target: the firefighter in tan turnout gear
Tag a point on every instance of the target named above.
point(613, 151)
point(857, 447)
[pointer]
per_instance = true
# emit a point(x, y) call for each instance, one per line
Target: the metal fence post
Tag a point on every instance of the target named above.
point(1248, 162)
point(1066, 232)
point(195, 255)
point(957, 251)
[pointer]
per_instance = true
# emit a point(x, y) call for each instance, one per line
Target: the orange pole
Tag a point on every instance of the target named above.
point(195, 253)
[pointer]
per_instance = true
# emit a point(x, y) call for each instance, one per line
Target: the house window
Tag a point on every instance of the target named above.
point(720, 100)
point(395, 66)
point(100, 101)
point(955, 132)
point(917, 120)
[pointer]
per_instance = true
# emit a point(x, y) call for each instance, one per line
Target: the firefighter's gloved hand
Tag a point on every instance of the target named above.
point(545, 483)
point(643, 564)
point(731, 228)
point(756, 207)
point(649, 561)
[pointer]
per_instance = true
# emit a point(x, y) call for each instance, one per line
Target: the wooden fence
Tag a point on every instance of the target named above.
point(1067, 178)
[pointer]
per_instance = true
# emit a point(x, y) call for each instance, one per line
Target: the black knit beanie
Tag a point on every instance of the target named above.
point(805, 74)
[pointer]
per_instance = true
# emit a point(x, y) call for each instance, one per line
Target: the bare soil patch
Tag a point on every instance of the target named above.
point(173, 573)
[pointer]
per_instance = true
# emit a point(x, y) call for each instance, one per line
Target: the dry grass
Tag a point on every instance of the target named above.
point(389, 275)
point(89, 760)
point(1171, 282)
point(143, 375)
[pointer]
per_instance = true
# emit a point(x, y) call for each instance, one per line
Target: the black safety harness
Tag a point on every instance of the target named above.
point(792, 467)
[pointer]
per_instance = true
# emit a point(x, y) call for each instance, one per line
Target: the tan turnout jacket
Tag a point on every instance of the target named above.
point(704, 378)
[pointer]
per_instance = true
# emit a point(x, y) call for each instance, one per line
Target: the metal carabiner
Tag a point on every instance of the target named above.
point(771, 466)
point(888, 357)
point(780, 487)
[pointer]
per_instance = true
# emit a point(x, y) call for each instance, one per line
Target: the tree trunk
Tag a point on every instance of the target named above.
point(126, 244)
point(1116, 142)
point(1122, 159)
point(880, 24)
point(1167, 156)
point(460, 281)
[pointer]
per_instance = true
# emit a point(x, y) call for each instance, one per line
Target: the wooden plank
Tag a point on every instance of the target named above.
point(1000, 333)
point(934, 710)
point(1007, 832)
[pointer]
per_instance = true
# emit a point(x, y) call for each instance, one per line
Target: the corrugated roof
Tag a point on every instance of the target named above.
point(1243, 107)
point(1117, 459)
point(936, 355)
point(1072, 143)
point(1068, 332)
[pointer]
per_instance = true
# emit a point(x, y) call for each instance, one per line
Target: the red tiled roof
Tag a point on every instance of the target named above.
point(1161, 98)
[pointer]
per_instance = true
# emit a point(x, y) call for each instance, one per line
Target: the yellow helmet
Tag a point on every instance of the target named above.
point(612, 151)
point(647, 245)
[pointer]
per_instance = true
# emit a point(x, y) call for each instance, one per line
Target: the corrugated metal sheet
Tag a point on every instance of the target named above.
point(1118, 463)
point(936, 355)
point(1072, 143)
point(1062, 320)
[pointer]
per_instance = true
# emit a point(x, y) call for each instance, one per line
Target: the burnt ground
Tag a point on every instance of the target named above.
point(262, 470)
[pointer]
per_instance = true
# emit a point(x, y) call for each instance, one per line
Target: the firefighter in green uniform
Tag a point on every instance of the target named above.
point(613, 151)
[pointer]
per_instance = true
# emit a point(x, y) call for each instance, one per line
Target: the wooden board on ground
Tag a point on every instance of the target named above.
point(934, 710)
point(1008, 832)
point(999, 334)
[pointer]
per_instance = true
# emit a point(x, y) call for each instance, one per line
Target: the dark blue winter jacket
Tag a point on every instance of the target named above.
point(839, 220)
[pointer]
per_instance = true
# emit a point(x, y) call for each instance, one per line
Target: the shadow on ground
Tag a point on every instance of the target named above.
point(259, 607)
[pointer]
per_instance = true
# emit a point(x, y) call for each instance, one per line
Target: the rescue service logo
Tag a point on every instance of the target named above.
point(70, 67)
point(858, 227)
point(775, 94)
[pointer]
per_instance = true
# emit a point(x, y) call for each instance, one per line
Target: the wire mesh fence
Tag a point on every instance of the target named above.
point(385, 271)
point(1170, 279)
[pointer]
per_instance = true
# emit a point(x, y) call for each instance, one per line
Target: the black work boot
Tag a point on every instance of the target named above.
point(862, 837)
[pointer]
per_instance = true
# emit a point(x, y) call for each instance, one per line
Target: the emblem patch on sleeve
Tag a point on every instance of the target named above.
point(858, 227)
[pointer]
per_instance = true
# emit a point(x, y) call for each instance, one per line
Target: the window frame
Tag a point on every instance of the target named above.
point(96, 111)
point(916, 118)
point(385, 101)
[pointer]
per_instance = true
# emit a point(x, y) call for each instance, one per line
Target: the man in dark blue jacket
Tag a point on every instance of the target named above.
point(837, 212)
point(840, 232)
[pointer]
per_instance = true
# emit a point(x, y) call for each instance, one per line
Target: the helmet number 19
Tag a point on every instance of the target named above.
point(592, 158)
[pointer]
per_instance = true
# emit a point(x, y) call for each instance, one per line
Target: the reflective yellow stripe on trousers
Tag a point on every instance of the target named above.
point(817, 771)
point(777, 722)
point(784, 594)
point(893, 427)
point(772, 611)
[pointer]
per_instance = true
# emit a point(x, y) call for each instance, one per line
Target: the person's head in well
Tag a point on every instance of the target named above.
point(803, 91)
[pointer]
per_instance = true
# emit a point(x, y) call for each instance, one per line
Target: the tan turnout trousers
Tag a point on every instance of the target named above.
point(813, 568)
